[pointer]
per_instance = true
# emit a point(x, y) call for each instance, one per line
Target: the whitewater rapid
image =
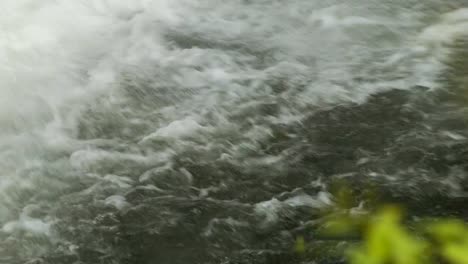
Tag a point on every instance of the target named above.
point(111, 108)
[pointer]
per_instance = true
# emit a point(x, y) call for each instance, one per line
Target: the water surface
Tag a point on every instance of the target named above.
point(201, 131)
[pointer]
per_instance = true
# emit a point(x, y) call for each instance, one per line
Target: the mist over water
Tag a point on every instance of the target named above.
point(200, 131)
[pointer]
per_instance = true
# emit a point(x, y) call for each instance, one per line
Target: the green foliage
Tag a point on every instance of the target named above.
point(451, 239)
point(385, 237)
point(300, 246)
point(386, 240)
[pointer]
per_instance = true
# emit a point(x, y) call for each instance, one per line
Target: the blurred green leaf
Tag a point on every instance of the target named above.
point(300, 246)
point(386, 241)
point(456, 253)
point(444, 231)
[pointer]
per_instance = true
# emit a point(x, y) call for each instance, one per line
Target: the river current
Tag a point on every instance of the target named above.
point(207, 131)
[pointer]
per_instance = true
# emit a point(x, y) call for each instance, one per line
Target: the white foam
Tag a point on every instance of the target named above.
point(57, 56)
point(117, 201)
point(177, 129)
point(450, 26)
point(270, 210)
point(122, 182)
point(28, 224)
point(86, 159)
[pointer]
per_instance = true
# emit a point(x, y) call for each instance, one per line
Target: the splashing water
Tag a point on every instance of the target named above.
point(195, 131)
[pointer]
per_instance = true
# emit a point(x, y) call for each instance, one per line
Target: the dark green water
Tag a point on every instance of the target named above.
point(208, 132)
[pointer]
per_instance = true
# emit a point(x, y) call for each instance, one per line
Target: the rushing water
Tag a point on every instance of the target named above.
point(207, 131)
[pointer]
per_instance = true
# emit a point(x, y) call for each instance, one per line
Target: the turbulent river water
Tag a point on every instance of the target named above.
point(207, 131)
